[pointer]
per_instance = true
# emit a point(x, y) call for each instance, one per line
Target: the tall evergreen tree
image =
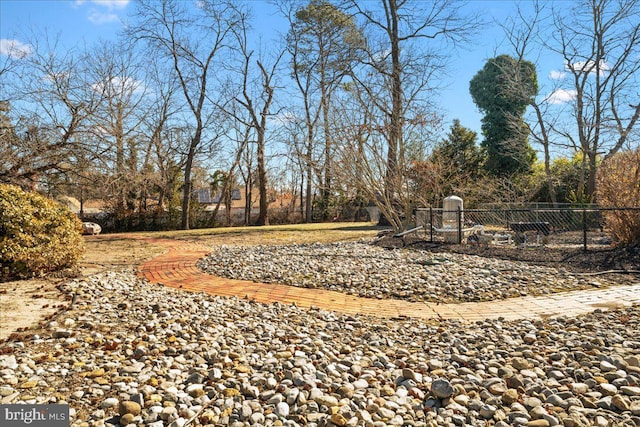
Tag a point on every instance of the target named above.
point(459, 150)
point(502, 90)
point(455, 163)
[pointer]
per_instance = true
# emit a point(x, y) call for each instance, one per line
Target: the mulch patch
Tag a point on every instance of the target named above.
point(572, 259)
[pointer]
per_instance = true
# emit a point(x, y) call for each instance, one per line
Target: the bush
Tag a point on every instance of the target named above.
point(37, 235)
point(618, 183)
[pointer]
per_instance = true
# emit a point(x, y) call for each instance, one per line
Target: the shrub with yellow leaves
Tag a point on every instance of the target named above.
point(37, 234)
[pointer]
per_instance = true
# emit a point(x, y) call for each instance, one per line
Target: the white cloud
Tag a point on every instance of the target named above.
point(284, 118)
point(562, 96)
point(557, 75)
point(588, 67)
point(109, 4)
point(102, 18)
point(14, 48)
point(103, 11)
point(121, 85)
point(112, 4)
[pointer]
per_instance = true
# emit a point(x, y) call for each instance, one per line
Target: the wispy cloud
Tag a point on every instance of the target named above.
point(590, 67)
point(120, 85)
point(98, 18)
point(562, 96)
point(284, 118)
point(103, 11)
point(109, 4)
point(382, 56)
point(14, 48)
point(557, 75)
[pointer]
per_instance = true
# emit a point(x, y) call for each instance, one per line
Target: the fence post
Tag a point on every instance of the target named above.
point(459, 225)
point(431, 224)
point(584, 229)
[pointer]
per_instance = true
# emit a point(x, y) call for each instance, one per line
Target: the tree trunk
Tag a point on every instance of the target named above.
point(591, 177)
point(227, 205)
point(547, 171)
point(547, 156)
point(308, 203)
point(186, 196)
point(581, 181)
point(81, 202)
point(186, 190)
point(302, 217)
point(120, 187)
point(248, 194)
point(395, 131)
point(263, 215)
point(326, 187)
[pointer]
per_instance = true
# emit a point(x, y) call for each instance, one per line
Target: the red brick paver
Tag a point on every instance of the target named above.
point(177, 269)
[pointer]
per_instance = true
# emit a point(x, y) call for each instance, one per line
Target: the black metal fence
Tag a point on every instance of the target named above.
point(586, 226)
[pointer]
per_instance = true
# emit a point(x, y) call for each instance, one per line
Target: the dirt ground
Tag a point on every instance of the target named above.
point(23, 303)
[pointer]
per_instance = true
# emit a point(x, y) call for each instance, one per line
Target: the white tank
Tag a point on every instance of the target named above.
point(450, 207)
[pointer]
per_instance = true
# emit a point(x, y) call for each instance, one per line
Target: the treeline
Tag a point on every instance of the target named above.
point(337, 113)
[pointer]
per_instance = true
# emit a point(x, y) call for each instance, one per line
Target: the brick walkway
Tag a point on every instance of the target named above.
point(177, 269)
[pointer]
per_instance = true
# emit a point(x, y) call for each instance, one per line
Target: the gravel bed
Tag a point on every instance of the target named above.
point(130, 353)
point(363, 269)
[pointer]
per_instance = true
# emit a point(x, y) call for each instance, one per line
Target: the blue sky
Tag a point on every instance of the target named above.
point(87, 21)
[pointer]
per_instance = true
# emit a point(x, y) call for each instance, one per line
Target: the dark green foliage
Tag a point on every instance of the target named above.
point(502, 90)
point(459, 151)
point(37, 235)
point(454, 165)
point(326, 39)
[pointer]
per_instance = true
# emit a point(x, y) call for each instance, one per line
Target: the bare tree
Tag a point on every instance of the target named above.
point(55, 109)
point(256, 97)
point(599, 41)
point(191, 42)
point(323, 42)
point(160, 109)
point(240, 133)
point(248, 174)
point(593, 106)
point(403, 59)
point(117, 122)
point(10, 60)
point(364, 163)
point(300, 152)
point(522, 34)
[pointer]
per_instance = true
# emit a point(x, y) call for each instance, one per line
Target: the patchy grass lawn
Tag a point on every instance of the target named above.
point(275, 234)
